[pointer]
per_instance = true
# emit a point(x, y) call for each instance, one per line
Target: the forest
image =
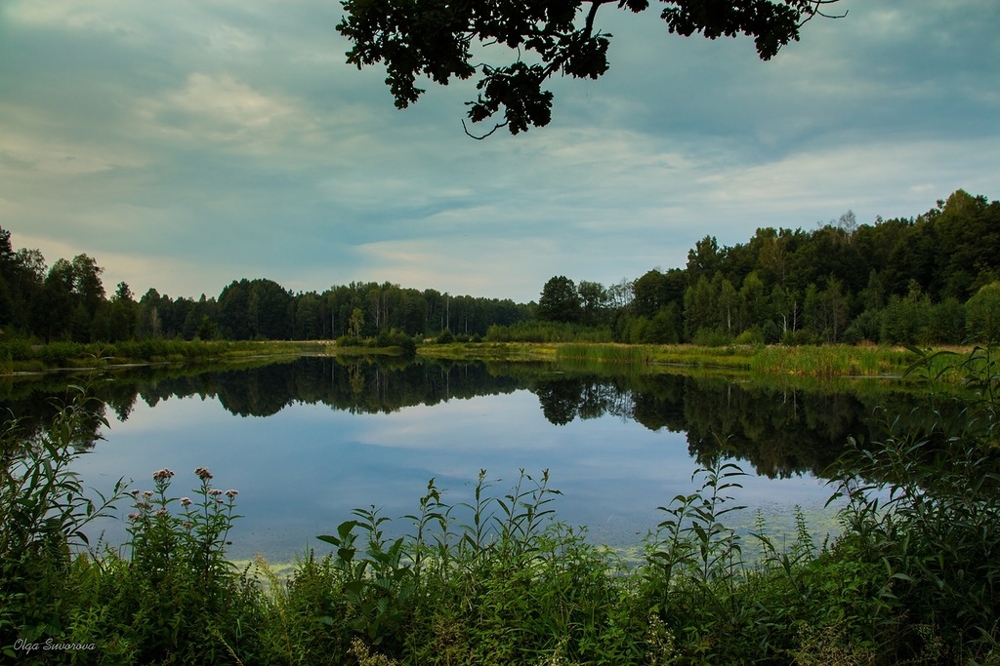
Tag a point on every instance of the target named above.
point(934, 278)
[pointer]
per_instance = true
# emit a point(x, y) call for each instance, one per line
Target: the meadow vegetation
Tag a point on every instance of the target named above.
point(21, 355)
point(824, 361)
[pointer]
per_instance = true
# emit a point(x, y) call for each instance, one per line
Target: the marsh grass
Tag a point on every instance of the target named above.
point(832, 360)
point(23, 356)
point(604, 353)
point(823, 362)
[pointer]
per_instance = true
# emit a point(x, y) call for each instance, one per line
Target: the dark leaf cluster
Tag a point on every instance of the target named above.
point(440, 40)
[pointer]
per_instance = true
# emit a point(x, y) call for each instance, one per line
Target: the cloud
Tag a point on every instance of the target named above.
point(39, 149)
point(214, 140)
point(222, 110)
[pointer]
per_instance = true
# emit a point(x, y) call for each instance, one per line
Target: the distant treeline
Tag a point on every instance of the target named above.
point(902, 281)
point(67, 302)
point(933, 278)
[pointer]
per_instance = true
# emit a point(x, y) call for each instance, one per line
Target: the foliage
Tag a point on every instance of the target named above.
point(173, 595)
point(547, 331)
point(983, 314)
point(559, 301)
point(927, 279)
point(43, 512)
point(436, 40)
point(923, 504)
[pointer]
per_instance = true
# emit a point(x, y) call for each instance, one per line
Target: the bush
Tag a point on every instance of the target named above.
point(707, 337)
point(349, 341)
point(770, 332)
point(934, 538)
point(548, 331)
point(751, 336)
point(174, 597)
point(43, 512)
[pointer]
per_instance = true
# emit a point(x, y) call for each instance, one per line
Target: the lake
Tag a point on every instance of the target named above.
point(305, 441)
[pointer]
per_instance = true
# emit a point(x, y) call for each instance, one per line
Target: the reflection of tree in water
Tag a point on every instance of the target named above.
point(362, 386)
point(779, 432)
point(560, 399)
point(258, 392)
point(27, 415)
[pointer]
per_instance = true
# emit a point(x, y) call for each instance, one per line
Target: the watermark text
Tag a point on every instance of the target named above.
point(21, 645)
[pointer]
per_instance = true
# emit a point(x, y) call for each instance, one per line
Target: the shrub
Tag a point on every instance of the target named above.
point(349, 341)
point(43, 512)
point(174, 597)
point(923, 508)
point(707, 337)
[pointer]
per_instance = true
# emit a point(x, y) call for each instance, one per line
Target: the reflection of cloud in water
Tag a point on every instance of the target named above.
point(301, 471)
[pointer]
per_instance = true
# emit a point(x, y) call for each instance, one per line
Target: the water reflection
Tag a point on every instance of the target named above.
point(779, 432)
point(339, 435)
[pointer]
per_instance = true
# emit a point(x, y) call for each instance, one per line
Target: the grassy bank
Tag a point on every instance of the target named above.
point(491, 351)
point(25, 356)
point(814, 361)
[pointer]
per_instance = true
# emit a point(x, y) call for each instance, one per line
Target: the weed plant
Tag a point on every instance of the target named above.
point(43, 513)
point(170, 594)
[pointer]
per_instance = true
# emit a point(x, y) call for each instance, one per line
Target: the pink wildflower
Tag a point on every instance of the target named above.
point(162, 475)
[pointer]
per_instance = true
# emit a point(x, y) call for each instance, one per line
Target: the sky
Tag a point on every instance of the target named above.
point(189, 143)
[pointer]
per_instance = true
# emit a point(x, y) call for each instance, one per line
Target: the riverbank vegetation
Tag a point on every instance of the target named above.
point(23, 356)
point(910, 579)
point(826, 361)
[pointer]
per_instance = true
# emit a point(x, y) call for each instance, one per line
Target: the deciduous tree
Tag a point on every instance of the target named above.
point(559, 301)
point(443, 39)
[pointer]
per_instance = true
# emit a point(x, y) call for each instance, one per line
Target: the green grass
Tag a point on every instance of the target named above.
point(22, 356)
point(832, 360)
point(810, 361)
point(813, 361)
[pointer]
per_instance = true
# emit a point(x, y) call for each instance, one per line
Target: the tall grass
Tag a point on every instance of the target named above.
point(22, 356)
point(604, 353)
point(831, 361)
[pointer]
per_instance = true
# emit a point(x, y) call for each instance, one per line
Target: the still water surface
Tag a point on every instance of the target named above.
point(306, 442)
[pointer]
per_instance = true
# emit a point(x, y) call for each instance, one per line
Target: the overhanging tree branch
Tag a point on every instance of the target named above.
point(433, 39)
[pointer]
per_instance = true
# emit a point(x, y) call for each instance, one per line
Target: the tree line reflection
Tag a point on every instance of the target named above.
point(780, 432)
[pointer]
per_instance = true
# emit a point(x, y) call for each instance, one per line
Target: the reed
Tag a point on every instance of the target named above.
point(604, 353)
point(832, 361)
